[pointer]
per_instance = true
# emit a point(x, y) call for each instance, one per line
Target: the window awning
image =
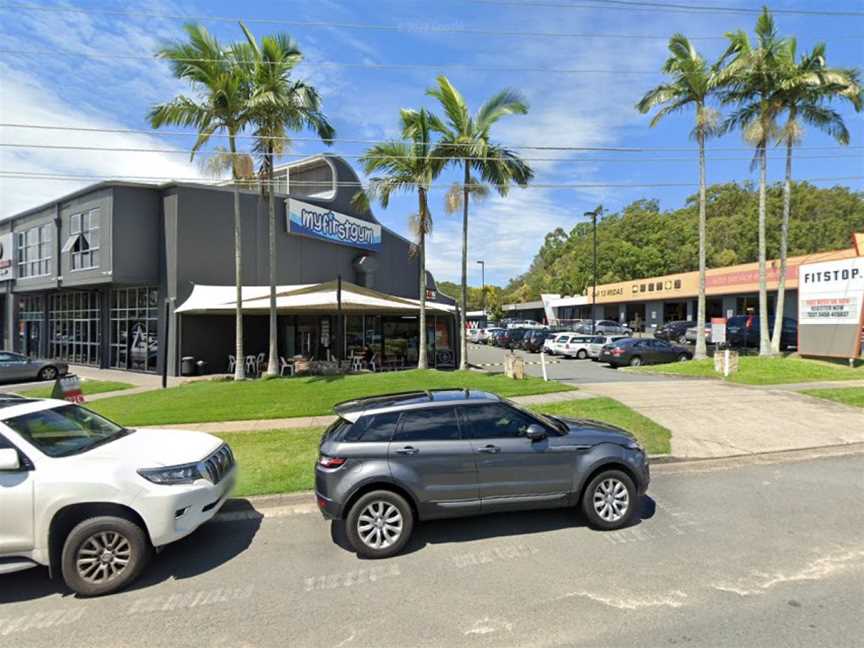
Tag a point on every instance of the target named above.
point(302, 298)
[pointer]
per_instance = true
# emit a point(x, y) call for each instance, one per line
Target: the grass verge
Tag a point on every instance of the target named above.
point(88, 388)
point(848, 396)
point(282, 461)
point(206, 401)
point(754, 370)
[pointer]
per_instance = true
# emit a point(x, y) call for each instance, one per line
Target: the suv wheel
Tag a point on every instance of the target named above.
point(609, 500)
point(635, 361)
point(683, 357)
point(379, 524)
point(103, 554)
point(582, 354)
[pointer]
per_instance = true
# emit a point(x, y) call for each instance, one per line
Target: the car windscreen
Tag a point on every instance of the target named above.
point(65, 430)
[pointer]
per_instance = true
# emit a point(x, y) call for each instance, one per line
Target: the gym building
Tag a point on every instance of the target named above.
point(100, 277)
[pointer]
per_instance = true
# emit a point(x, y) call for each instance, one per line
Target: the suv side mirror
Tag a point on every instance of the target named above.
point(9, 460)
point(535, 432)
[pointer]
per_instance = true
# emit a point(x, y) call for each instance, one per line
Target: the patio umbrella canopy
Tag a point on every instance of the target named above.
point(301, 299)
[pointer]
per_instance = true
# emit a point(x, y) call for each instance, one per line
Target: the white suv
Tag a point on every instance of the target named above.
point(92, 499)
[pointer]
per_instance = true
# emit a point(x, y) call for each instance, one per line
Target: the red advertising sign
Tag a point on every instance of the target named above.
point(68, 388)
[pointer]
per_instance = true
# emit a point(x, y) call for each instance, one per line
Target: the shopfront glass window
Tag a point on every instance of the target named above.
point(401, 341)
point(354, 341)
point(74, 326)
point(135, 328)
point(30, 321)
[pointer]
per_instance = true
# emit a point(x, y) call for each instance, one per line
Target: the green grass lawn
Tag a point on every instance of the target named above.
point(847, 396)
point(282, 461)
point(225, 400)
point(88, 387)
point(753, 370)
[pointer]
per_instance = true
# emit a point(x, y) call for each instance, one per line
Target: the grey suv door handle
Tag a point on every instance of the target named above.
point(489, 449)
point(407, 450)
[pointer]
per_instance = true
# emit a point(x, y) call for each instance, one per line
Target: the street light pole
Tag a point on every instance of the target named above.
point(594, 215)
point(483, 286)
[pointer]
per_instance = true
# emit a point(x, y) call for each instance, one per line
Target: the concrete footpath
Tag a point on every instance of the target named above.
point(715, 419)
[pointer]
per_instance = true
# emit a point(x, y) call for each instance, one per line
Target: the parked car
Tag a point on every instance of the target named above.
point(500, 338)
point(603, 327)
point(599, 341)
point(576, 346)
point(390, 461)
point(690, 334)
point(560, 340)
point(744, 331)
point(16, 367)
point(634, 352)
point(472, 334)
point(483, 337)
point(674, 331)
point(534, 340)
point(91, 499)
point(514, 337)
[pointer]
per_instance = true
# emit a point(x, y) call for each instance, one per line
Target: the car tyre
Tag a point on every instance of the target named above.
point(47, 373)
point(635, 361)
point(385, 511)
point(609, 501)
point(104, 554)
point(683, 357)
point(582, 354)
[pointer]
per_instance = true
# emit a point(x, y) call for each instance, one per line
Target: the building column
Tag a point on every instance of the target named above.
point(691, 310)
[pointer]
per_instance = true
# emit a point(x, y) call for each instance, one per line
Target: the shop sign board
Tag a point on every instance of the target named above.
point(830, 301)
point(6, 256)
point(718, 330)
point(68, 388)
point(325, 224)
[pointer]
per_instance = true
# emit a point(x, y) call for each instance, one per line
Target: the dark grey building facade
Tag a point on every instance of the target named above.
point(94, 277)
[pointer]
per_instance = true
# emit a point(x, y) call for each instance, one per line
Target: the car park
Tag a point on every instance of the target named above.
point(634, 352)
point(92, 500)
point(599, 341)
point(674, 331)
point(576, 346)
point(390, 461)
point(534, 340)
point(17, 367)
point(743, 331)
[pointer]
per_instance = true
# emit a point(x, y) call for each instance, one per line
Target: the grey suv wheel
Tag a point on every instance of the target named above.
point(609, 500)
point(103, 554)
point(379, 524)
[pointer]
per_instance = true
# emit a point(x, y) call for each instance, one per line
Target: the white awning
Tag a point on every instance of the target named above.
point(302, 298)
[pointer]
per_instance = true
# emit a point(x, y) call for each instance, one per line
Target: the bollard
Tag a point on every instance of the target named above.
point(543, 365)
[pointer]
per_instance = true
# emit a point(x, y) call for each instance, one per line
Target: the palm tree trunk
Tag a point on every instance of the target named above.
point(784, 244)
point(764, 342)
point(273, 360)
point(700, 351)
point(422, 361)
point(463, 310)
point(239, 365)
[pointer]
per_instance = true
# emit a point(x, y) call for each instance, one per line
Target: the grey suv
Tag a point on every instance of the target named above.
point(390, 460)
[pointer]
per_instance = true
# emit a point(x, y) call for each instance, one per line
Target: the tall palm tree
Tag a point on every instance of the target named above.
point(465, 141)
point(751, 80)
point(807, 86)
point(220, 104)
point(408, 167)
point(277, 104)
point(692, 83)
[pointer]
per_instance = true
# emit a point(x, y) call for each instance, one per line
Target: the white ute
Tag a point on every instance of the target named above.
point(92, 500)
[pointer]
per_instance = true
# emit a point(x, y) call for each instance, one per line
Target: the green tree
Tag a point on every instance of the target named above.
point(220, 103)
point(465, 141)
point(692, 83)
point(807, 86)
point(277, 104)
point(751, 80)
point(408, 167)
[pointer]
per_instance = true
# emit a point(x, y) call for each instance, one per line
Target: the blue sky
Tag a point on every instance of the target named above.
point(574, 109)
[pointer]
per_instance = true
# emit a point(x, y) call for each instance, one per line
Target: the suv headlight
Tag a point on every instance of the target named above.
point(185, 474)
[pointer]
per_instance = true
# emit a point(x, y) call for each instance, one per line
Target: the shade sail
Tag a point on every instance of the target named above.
point(302, 298)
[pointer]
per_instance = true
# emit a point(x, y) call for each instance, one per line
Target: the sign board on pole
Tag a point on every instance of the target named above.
point(830, 299)
point(718, 330)
point(68, 388)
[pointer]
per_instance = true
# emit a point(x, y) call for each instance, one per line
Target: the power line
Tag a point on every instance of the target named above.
point(404, 28)
point(633, 5)
point(174, 151)
point(361, 185)
point(603, 149)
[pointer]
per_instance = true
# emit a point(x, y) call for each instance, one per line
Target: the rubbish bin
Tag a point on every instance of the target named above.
point(187, 366)
point(202, 367)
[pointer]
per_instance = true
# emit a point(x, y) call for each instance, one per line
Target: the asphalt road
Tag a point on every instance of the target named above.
point(569, 370)
point(724, 555)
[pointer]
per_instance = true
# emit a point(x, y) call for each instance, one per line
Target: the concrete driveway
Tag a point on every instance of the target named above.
point(709, 418)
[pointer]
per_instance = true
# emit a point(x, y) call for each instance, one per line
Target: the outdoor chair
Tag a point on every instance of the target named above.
point(251, 365)
point(284, 366)
point(232, 364)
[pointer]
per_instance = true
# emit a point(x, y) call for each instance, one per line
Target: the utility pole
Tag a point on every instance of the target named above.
point(594, 215)
point(483, 287)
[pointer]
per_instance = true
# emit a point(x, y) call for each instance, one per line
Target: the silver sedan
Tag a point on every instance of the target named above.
point(16, 367)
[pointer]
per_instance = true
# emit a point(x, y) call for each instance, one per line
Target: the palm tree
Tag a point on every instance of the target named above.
point(220, 104)
point(751, 81)
point(465, 141)
point(807, 86)
point(693, 82)
point(408, 167)
point(277, 104)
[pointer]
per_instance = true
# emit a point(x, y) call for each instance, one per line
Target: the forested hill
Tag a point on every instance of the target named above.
point(643, 241)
